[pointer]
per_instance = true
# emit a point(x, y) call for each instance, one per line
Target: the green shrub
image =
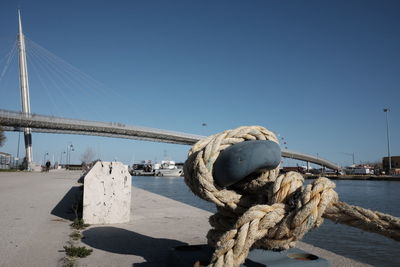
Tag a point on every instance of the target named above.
point(80, 252)
point(79, 224)
point(68, 263)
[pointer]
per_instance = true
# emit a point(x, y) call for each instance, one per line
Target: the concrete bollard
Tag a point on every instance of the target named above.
point(107, 194)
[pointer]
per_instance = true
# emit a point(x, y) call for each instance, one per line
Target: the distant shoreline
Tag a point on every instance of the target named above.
point(355, 177)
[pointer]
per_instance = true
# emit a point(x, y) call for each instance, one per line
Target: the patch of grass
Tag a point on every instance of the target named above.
point(75, 235)
point(68, 263)
point(79, 224)
point(80, 252)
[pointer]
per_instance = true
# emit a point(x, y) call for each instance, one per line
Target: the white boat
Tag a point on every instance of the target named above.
point(167, 168)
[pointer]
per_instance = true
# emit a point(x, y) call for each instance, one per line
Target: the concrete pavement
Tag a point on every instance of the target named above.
point(35, 217)
point(30, 234)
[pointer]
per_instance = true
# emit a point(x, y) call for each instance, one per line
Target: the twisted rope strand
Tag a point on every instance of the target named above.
point(365, 219)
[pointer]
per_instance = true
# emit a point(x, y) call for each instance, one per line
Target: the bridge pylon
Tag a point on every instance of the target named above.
point(24, 85)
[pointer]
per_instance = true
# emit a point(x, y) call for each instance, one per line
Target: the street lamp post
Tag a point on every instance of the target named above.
point(66, 158)
point(44, 158)
point(72, 150)
point(69, 149)
point(61, 156)
point(352, 155)
point(386, 110)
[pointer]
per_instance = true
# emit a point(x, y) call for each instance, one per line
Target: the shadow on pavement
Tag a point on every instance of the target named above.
point(65, 208)
point(121, 241)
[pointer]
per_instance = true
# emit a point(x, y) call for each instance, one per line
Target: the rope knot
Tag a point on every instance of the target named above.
point(264, 210)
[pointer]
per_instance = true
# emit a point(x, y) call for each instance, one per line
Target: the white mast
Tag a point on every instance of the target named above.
point(24, 84)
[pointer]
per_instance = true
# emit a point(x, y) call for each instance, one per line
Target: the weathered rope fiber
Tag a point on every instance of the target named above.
point(268, 210)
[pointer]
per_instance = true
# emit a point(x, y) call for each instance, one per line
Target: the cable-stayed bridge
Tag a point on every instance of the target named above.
point(27, 122)
point(15, 121)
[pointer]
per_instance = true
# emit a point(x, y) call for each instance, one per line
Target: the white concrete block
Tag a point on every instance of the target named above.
point(35, 167)
point(107, 194)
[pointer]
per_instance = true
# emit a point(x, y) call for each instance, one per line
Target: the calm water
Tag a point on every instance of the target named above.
point(362, 246)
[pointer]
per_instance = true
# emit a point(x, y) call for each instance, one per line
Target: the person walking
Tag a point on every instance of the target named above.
point(48, 164)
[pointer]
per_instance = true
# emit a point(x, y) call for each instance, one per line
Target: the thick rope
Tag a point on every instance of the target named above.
point(266, 210)
point(368, 220)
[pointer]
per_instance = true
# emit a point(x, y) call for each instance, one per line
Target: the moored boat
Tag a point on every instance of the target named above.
point(142, 169)
point(167, 168)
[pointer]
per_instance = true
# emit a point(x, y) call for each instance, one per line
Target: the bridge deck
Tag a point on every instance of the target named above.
point(14, 121)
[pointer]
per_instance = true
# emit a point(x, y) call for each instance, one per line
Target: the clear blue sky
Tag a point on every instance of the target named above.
point(318, 73)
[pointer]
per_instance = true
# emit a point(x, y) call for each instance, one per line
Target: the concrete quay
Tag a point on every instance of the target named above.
point(35, 217)
point(34, 224)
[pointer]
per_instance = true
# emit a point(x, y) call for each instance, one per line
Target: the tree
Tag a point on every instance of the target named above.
point(88, 155)
point(2, 137)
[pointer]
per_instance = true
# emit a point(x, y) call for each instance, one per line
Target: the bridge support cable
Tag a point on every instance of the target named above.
point(8, 59)
point(69, 81)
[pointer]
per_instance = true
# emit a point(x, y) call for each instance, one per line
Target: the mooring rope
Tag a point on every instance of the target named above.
point(268, 210)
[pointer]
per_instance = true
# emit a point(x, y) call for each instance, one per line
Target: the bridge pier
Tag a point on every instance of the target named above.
point(24, 84)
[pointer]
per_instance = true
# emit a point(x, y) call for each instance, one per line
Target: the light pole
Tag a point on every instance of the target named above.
point(61, 155)
point(352, 155)
point(283, 145)
point(386, 110)
point(204, 130)
point(69, 149)
point(66, 158)
point(72, 150)
point(44, 158)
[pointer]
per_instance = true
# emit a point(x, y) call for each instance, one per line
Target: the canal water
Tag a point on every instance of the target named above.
point(383, 196)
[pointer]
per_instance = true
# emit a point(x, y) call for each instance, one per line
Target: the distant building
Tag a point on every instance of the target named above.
point(395, 162)
point(5, 160)
point(294, 169)
point(360, 169)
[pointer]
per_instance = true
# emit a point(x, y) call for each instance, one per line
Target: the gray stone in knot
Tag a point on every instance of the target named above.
point(240, 160)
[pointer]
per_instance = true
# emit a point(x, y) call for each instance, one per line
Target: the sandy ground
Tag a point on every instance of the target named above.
point(35, 217)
